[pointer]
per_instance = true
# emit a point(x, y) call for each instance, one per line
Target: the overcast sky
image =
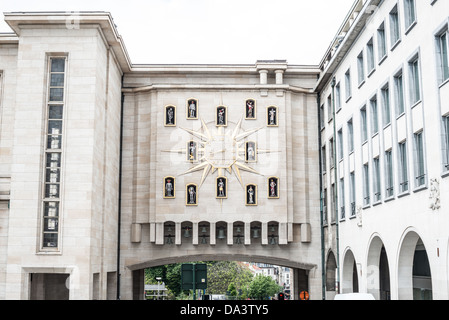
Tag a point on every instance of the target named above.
point(212, 31)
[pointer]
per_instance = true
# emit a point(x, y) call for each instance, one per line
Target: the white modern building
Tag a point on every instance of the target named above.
point(338, 171)
point(384, 139)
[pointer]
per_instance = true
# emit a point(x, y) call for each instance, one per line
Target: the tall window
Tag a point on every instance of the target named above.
point(337, 97)
point(399, 92)
point(443, 56)
point(348, 84)
point(350, 136)
point(363, 125)
point(340, 144)
point(410, 12)
point(376, 180)
point(370, 55)
point(420, 173)
point(395, 31)
point(331, 152)
point(322, 116)
point(323, 159)
point(386, 112)
point(352, 192)
point(403, 168)
point(374, 116)
point(341, 195)
point(330, 112)
point(415, 91)
point(381, 42)
point(389, 186)
point(366, 190)
point(360, 67)
point(53, 153)
point(446, 141)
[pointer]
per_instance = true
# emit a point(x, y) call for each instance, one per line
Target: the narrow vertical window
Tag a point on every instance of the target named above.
point(340, 144)
point(322, 116)
point(337, 97)
point(386, 112)
point(370, 56)
point(53, 153)
point(376, 180)
point(399, 91)
point(323, 159)
point(403, 168)
point(389, 189)
point(374, 116)
point(361, 68)
point(352, 193)
point(348, 84)
point(420, 173)
point(444, 63)
point(363, 124)
point(330, 112)
point(394, 26)
point(446, 142)
point(415, 91)
point(350, 136)
point(366, 190)
point(342, 198)
point(410, 12)
point(381, 42)
point(331, 153)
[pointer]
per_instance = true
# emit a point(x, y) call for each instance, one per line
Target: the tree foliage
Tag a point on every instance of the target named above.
point(262, 287)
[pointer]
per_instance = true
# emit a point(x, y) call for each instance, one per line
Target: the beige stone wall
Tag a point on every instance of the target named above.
point(90, 160)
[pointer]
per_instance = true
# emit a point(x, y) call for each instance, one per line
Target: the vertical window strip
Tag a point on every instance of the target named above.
point(366, 190)
point(410, 14)
point(403, 174)
point(352, 193)
point(415, 83)
point(400, 108)
point(374, 116)
point(446, 128)
point(364, 125)
point(444, 57)
point(420, 174)
point(386, 106)
point(377, 191)
point(381, 41)
point(389, 188)
point(342, 198)
point(350, 136)
point(394, 26)
point(53, 153)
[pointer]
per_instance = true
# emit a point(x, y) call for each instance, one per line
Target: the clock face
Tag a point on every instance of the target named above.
point(221, 151)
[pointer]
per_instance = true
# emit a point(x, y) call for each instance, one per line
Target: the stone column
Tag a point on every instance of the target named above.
point(263, 76)
point(279, 76)
point(230, 237)
point(247, 233)
point(195, 233)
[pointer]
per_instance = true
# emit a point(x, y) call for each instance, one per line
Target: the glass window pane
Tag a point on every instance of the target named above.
point(58, 65)
point(55, 127)
point(56, 94)
point(55, 112)
point(50, 240)
point(51, 190)
point(54, 141)
point(53, 160)
point(57, 80)
point(52, 175)
point(51, 209)
point(51, 224)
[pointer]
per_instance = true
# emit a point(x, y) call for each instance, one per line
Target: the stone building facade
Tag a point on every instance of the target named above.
point(337, 171)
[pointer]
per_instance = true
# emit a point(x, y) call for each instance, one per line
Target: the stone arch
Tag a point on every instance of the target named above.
point(350, 279)
point(378, 272)
point(414, 274)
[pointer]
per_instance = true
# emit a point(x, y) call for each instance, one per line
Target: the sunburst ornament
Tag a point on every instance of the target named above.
point(220, 150)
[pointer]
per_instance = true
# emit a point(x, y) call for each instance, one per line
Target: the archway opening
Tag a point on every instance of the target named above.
point(331, 276)
point(414, 274)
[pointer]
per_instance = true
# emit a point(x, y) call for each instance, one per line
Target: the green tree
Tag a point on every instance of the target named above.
point(263, 287)
point(221, 274)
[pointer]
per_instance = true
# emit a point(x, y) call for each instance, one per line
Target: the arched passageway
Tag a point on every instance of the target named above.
point(414, 274)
